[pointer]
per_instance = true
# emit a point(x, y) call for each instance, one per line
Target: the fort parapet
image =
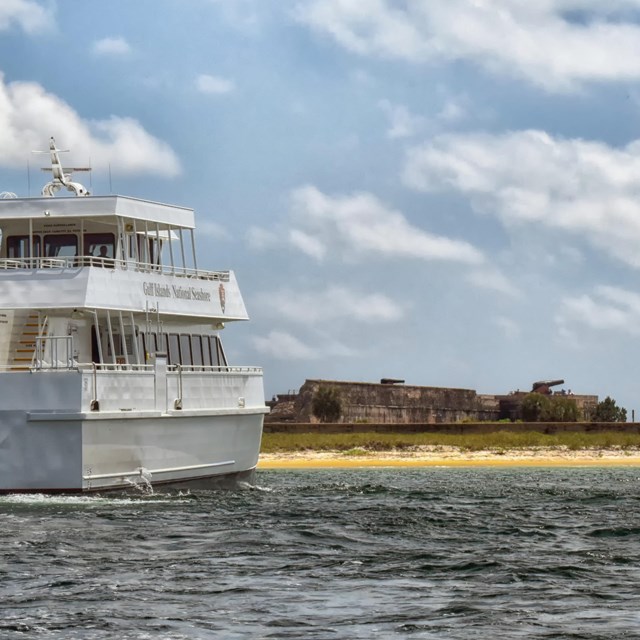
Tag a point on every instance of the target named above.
point(377, 403)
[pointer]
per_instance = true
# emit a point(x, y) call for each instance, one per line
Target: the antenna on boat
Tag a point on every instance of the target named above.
point(61, 176)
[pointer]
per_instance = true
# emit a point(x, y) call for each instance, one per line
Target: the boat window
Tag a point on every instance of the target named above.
point(100, 245)
point(196, 350)
point(143, 347)
point(62, 245)
point(117, 345)
point(185, 349)
point(161, 343)
point(174, 349)
point(95, 349)
point(217, 357)
point(212, 352)
point(120, 346)
point(18, 246)
point(206, 351)
point(222, 361)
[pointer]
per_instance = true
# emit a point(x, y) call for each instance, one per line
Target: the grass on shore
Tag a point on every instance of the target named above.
point(500, 441)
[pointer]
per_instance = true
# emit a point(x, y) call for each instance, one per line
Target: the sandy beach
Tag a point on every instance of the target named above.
point(451, 457)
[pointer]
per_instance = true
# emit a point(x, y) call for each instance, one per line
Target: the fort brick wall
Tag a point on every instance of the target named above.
point(377, 403)
point(390, 403)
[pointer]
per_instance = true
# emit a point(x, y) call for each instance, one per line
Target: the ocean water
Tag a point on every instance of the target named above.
point(358, 553)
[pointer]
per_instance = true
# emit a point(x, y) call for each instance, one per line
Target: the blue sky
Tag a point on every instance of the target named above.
point(443, 191)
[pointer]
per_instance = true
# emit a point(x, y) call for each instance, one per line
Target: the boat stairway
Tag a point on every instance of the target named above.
point(24, 342)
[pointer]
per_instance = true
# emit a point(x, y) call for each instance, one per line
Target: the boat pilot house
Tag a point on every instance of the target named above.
point(111, 362)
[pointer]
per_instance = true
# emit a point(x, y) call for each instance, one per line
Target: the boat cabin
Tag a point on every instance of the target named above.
point(108, 281)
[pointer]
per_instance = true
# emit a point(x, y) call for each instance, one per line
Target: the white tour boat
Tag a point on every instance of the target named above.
point(112, 369)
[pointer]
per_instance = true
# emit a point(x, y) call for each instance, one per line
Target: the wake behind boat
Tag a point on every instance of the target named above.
point(112, 369)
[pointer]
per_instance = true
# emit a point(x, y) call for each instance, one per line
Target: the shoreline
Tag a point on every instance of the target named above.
point(451, 457)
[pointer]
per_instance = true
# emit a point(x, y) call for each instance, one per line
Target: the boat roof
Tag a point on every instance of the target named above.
point(97, 207)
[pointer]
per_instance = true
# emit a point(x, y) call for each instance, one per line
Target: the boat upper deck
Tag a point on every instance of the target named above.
point(106, 252)
point(96, 209)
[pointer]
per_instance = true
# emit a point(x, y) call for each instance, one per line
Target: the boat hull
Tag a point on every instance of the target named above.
point(56, 453)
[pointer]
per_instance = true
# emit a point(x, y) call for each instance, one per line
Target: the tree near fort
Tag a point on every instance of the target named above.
point(607, 411)
point(534, 406)
point(327, 404)
point(562, 409)
point(537, 407)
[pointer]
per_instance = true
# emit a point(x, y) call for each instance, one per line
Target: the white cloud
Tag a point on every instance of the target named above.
point(334, 303)
point(361, 224)
point(284, 346)
point(307, 244)
point(29, 15)
point(258, 238)
point(491, 278)
point(528, 177)
point(454, 109)
point(212, 230)
point(111, 47)
point(246, 16)
point(214, 84)
point(535, 40)
point(29, 116)
point(402, 123)
point(606, 309)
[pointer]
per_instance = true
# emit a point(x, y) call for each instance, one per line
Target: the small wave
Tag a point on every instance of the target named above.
point(247, 486)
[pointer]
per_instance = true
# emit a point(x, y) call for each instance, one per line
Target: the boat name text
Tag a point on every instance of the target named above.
point(173, 291)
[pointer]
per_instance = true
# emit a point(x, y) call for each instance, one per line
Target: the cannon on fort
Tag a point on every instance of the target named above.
point(544, 386)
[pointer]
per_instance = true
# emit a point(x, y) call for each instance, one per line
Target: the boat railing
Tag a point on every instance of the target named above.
point(75, 262)
point(53, 352)
point(182, 368)
point(62, 361)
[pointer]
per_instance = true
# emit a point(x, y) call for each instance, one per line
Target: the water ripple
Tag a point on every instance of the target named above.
point(381, 553)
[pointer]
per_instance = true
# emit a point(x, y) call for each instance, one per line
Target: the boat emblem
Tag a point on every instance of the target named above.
point(222, 295)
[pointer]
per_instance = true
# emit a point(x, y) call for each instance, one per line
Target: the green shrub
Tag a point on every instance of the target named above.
point(327, 404)
point(607, 411)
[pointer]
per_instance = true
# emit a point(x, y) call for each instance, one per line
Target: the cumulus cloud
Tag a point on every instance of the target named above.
point(493, 279)
point(333, 303)
point(606, 309)
point(360, 224)
point(29, 116)
point(529, 177)
point(284, 346)
point(402, 123)
point(29, 15)
point(212, 230)
point(539, 41)
point(214, 84)
point(259, 238)
point(111, 47)
point(307, 244)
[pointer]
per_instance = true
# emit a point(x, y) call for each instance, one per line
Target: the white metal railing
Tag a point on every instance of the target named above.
point(219, 369)
point(54, 352)
point(127, 389)
point(70, 364)
point(74, 262)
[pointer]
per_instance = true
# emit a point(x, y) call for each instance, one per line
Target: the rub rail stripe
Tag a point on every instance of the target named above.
point(140, 470)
